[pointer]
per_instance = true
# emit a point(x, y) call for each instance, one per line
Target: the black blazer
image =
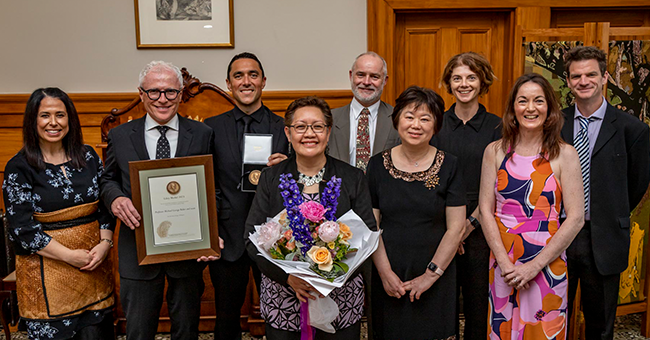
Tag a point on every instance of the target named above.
point(268, 202)
point(232, 203)
point(620, 173)
point(126, 143)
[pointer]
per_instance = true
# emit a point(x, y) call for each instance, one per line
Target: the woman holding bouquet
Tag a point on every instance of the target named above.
point(527, 175)
point(308, 124)
point(418, 200)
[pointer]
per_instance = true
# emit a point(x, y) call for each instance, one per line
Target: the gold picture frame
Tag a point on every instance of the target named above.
point(184, 24)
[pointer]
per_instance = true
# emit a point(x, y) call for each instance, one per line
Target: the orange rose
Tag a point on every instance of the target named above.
point(346, 234)
point(290, 245)
point(322, 257)
point(283, 218)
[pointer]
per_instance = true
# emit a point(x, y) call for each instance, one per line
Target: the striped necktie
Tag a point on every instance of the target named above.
point(363, 140)
point(581, 143)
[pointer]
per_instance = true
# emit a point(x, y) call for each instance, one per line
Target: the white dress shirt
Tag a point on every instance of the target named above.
point(151, 135)
point(355, 113)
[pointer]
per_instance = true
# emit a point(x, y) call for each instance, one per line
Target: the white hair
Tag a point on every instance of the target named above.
point(159, 64)
point(373, 54)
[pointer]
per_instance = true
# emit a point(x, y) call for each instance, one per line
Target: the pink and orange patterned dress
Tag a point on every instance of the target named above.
point(528, 199)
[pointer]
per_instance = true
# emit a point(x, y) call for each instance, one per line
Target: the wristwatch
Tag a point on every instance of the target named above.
point(475, 223)
point(434, 268)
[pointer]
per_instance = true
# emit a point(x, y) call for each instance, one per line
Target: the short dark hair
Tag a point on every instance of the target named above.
point(420, 96)
point(477, 63)
point(552, 127)
point(72, 142)
point(305, 102)
point(244, 55)
point(580, 53)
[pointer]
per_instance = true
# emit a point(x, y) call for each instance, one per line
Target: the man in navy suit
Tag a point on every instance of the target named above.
point(229, 275)
point(616, 173)
point(161, 133)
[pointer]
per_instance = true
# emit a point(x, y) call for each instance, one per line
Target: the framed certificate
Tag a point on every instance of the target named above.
point(176, 199)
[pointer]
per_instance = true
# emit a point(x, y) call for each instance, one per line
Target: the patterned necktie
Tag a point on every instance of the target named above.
point(162, 147)
point(363, 140)
point(581, 143)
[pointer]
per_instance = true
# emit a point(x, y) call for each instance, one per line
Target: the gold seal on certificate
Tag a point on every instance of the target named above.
point(173, 187)
point(254, 177)
point(163, 229)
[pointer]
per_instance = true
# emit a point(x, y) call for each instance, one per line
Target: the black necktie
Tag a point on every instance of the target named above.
point(247, 129)
point(162, 147)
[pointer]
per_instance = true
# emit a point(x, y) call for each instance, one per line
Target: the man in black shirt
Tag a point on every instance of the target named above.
point(229, 275)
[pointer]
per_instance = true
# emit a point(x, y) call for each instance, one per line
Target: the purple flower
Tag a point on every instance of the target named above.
point(330, 197)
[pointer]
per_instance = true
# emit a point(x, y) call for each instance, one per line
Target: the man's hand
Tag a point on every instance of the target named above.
point(211, 258)
point(123, 208)
point(276, 158)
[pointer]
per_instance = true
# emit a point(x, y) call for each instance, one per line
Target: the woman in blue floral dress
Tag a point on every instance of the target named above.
point(60, 233)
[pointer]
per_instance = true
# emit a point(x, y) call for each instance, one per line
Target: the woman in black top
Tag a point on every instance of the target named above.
point(60, 232)
point(308, 125)
point(466, 130)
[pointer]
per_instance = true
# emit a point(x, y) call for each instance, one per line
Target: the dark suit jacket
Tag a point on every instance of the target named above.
point(620, 173)
point(386, 136)
point(126, 143)
point(232, 203)
point(268, 202)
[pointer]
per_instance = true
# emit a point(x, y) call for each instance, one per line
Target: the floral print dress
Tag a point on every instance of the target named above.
point(528, 199)
point(26, 191)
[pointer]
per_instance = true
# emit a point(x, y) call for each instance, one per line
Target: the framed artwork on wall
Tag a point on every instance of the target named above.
point(184, 23)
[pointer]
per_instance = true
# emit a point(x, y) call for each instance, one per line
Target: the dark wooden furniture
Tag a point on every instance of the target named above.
point(8, 303)
point(199, 101)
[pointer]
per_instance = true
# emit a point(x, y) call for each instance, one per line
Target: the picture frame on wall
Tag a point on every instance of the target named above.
point(184, 24)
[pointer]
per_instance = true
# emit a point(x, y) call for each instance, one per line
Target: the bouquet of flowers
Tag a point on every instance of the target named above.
point(307, 240)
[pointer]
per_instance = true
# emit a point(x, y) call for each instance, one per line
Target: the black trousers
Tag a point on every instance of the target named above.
point(350, 333)
point(142, 300)
point(472, 282)
point(599, 293)
point(230, 280)
point(101, 331)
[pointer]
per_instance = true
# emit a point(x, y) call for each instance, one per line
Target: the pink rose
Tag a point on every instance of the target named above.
point(270, 232)
point(312, 211)
point(328, 231)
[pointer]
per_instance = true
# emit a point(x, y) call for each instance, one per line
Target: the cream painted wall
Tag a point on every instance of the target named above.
point(89, 45)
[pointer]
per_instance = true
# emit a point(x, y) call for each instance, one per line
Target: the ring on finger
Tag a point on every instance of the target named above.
point(515, 280)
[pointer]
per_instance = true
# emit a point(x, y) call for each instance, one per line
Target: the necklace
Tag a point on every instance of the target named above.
point(415, 163)
point(311, 180)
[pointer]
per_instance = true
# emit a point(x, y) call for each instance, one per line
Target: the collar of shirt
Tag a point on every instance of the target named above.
point(356, 108)
point(475, 122)
point(149, 123)
point(257, 115)
point(598, 114)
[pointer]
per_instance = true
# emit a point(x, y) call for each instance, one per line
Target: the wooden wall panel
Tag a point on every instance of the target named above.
point(420, 45)
point(92, 107)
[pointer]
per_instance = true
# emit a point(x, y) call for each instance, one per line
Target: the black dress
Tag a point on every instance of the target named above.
point(413, 220)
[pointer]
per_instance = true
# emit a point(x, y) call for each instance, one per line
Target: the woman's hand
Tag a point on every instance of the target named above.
point(78, 258)
point(420, 284)
point(393, 285)
point(98, 253)
point(302, 288)
point(521, 275)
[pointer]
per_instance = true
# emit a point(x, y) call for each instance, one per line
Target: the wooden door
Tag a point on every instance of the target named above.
point(425, 41)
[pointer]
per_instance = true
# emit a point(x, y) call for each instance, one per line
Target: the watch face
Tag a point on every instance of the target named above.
point(432, 266)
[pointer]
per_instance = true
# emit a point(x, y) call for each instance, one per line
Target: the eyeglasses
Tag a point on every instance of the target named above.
point(154, 94)
point(302, 128)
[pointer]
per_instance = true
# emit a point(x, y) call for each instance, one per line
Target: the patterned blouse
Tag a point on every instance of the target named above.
point(27, 190)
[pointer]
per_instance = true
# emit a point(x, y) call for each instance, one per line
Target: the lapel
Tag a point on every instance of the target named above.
point(567, 128)
point(137, 139)
point(382, 130)
point(342, 132)
point(184, 137)
point(607, 129)
point(230, 127)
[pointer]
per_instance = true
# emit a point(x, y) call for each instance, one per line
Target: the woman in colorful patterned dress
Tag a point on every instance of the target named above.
point(308, 125)
point(60, 232)
point(526, 177)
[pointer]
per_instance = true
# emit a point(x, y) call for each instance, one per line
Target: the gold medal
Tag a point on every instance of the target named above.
point(254, 177)
point(173, 187)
